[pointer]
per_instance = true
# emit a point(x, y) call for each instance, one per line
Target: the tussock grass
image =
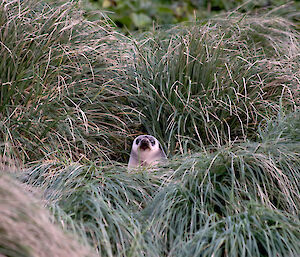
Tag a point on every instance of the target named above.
point(59, 75)
point(241, 199)
point(256, 232)
point(214, 83)
point(239, 187)
point(100, 203)
point(225, 94)
point(26, 227)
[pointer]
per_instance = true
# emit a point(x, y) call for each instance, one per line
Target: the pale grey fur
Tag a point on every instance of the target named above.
point(150, 156)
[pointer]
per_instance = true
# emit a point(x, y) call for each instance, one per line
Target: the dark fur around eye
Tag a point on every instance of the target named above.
point(152, 141)
point(137, 141)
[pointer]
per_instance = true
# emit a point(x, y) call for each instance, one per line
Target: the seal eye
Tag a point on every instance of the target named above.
point(137, 141)
point(152, 141)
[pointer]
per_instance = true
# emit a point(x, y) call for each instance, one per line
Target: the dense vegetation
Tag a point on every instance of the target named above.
point(141, 15)
point(222, 96)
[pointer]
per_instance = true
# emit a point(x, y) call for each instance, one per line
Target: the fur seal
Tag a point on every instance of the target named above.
point(146, 150)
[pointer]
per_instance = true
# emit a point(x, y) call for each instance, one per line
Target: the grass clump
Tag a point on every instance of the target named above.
point(99, 203)
point(256, 232)
point(214, 84)
point(26, 228)
point(240, 200)
point(59, 73)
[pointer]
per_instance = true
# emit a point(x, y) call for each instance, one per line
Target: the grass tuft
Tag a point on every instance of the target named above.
point(99, 203)
point(26, 228)
point(255, 232)
point(213, 84)
point(59, 77)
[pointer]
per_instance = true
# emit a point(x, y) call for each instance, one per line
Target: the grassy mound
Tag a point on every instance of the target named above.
point(26, 227)
point(242, 200)
point(225, 95)
point(77, 89)
point(97, 203)
point(214, 84)
point(59, 83)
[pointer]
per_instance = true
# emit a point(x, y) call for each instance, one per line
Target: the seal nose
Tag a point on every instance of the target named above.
point(145, 144)
point(145, 141)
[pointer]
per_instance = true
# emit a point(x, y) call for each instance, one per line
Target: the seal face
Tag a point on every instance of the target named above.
point(146, 150)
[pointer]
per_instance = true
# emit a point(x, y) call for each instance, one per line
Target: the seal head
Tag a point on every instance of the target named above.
point(146, 150)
